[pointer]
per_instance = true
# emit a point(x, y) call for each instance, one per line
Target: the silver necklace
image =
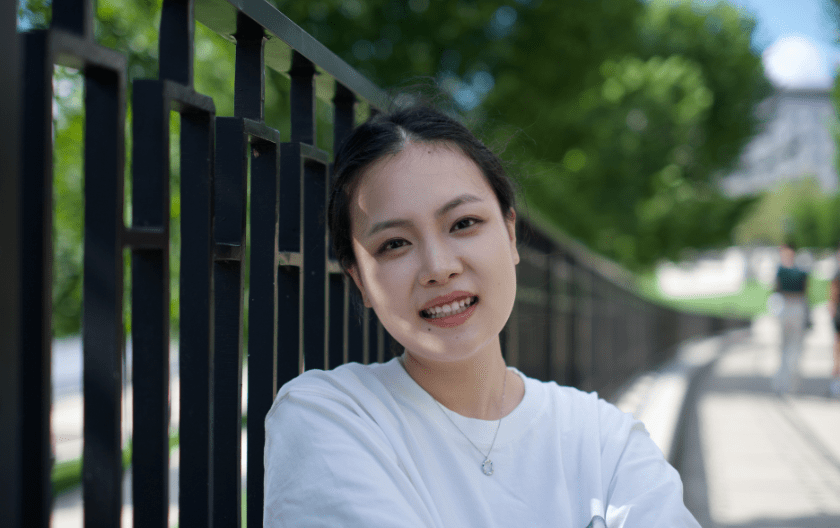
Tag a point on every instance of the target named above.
point(487, 465)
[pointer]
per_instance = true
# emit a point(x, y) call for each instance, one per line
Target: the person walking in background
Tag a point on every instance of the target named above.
point(792, 285)
point(833, 302)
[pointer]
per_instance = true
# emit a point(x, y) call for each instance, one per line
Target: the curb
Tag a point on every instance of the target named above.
point(661, 398)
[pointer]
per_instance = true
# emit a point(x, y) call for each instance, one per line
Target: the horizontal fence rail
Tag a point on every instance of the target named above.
point(252, 220)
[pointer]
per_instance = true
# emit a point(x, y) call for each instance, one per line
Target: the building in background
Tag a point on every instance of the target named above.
point(797, 142)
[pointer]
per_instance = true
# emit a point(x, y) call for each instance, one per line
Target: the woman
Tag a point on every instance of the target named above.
point(833, 304)
point(792, 285)
point(422, 217)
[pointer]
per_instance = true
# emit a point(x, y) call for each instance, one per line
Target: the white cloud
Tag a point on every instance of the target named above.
point(796, 62)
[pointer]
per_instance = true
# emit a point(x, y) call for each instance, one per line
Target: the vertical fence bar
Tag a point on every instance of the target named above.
point(584, 328)
point(196, 346)
point(150, 306)
point(343, 104)
point(341, 316)
point(302, 95)
point(337, 321)
point(572, 327)
point(74, 16)
point(103, 284)
point(289, 333)
point(11, 354)
point(364, 322)
point(229, 237)
point(551, 348)
point(510, 338)
point(262, 315)
point(314, 279)
point(374, 345)
point(290, 276)
point(36, 278)
point(315, 308)
point(249, 99)
point(175, 43)
point(249, 91)
point(355, 331)
point(597, 353)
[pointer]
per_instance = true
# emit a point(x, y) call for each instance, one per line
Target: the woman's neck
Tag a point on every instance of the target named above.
point(471, 388)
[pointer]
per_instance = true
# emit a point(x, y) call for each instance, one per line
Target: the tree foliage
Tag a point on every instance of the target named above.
point(797, 211)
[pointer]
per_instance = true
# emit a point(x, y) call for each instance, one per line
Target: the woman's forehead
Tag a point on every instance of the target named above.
point(420, 175)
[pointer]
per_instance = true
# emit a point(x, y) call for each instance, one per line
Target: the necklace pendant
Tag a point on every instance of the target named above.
point(487, 467)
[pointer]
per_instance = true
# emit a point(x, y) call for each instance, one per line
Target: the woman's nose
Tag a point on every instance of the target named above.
point(440, 263)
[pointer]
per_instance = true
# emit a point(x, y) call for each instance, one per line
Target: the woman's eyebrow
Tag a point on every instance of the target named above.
point(445, 208)
point(455, 202)
point(388, 224)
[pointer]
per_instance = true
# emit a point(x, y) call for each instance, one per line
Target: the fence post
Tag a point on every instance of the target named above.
point(11, 353)
point(36, 276)
point(150, 304)
point(229, 238)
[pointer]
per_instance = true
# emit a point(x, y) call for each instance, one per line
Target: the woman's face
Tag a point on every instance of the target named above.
point(787, 256)
point(435, 258)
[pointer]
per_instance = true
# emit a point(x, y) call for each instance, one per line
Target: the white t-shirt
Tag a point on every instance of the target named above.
point(365, 446)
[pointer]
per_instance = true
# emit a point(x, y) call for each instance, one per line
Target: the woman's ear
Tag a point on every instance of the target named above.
point(510, 222)
point(353, 271)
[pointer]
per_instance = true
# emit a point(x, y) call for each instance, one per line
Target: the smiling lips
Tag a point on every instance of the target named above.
point(450, 310)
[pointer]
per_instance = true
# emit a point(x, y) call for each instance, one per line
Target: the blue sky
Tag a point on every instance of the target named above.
point(798, 40)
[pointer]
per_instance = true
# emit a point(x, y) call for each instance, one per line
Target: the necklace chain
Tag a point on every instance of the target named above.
point(487, 464)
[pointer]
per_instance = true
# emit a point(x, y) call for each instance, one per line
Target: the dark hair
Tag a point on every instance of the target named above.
point(387, 134)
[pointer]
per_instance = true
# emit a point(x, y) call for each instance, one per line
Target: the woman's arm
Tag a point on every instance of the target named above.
point(833, 295)
point(644, 489)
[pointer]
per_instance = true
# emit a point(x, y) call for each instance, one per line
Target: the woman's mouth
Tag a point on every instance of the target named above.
point(449, 309)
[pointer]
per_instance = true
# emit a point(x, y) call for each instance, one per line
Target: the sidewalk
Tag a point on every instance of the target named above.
point(753, 459)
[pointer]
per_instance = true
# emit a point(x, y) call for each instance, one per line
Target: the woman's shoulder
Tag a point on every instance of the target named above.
point(564, 394)
point(353, 387)
point(349, 379)
point(577, 406)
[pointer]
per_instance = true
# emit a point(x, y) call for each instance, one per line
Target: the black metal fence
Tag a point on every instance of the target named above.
point(576, 319)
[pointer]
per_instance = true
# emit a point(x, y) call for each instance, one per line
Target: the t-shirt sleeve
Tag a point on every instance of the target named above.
point(644, 489)
point(327, 464)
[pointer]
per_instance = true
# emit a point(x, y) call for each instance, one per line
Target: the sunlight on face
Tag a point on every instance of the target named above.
point(435, 258)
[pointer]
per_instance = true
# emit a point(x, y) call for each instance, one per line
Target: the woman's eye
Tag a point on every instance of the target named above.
point(394, 243)
point(464, 223)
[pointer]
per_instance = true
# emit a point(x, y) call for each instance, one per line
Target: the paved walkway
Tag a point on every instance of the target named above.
point(754, 459)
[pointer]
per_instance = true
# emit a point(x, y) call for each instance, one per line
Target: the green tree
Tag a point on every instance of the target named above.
point(796, 210)
point(654, 132)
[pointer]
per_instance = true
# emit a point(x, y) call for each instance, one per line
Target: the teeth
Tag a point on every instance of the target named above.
point(454, 308)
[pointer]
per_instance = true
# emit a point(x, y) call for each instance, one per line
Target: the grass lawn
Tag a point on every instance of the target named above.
point(751, 301)
point(68, 474)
